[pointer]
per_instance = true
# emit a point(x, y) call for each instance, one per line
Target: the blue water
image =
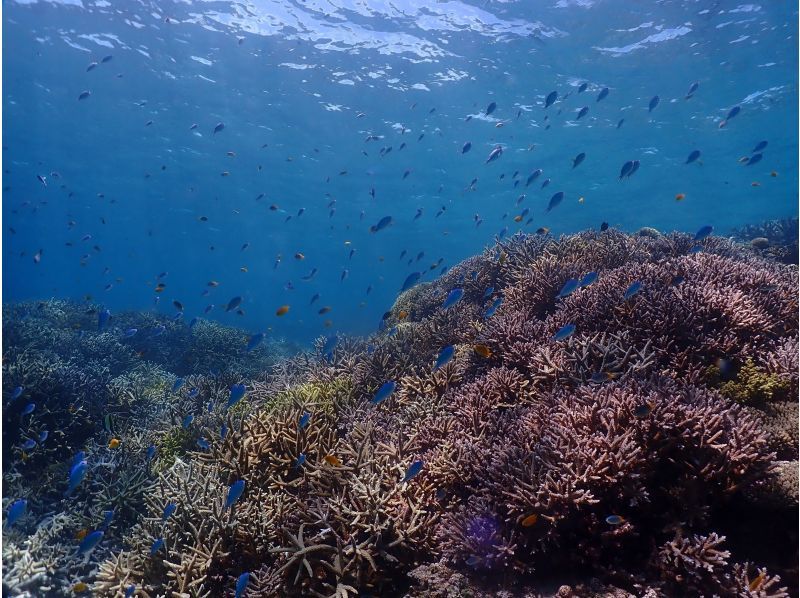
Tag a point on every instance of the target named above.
point(290, 81)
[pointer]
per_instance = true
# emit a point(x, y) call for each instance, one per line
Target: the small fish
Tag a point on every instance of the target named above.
point(254, 341)
point(564, 332)
point(533, 176)
point(588, 279)
point(384, 392)
point(382, 223)
point(233, 304)
point(114, 443)
point(568, 288)
point(84, 94)
point(482, 350)
point(680, 196)
point(413, 471)
point(237, 394)
point(453, 297)
point(202, 444)
point(282, 310)
point(761, 145)
point(603, 226)
point(218, 128)
point(151, 452)
point(90, 542)
point(168, 511)
point(16, 393)
point(704, 232)
point(676, 280)
point(653, 103)
point(582, 87)
point(634, 288)
point(466, 147)
point(157, 545)
point(692, 88)
point(43, 436)
point(324, 310)
point(550, 99)
point(304, 419)
point(445, 355)
point(603, 94)
point(488, 292)
point(130, 332)
point(129, 591)
point(241, 584)
point(80, 587)
point(556, 199)
point(234, 493)
point(411, 280)
point(29, 444)
point(582, 112)
point(16, 511)
point(694, 155)
point(178, 384)
point(626, 168)
point(490, 108)
point(494, 154)
point(329, 346)
point(642, 410)
point(493, 308)
point(187, 421)
point(614, 520)
point(619, 124)
point(332, 460)
point(28, 409)
point(223, 431)
point(634, 168)
point(530, 520)
point(576, 161)
point(731, 113)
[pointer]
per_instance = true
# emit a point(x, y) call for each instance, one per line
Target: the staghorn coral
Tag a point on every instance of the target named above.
point(608, 461)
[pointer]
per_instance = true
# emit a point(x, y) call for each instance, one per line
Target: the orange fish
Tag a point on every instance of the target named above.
point(518, 218)
point(482, 350)
point(756, 583)
point(402, 315)
point(282, 310)
point(530, 520)
point(680, 196)
point(333, 460)
point(81, 534)
point(114, 443)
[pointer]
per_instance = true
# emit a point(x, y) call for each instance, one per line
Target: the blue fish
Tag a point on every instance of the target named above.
point(233, 304)
point(555, 200)
point(466, 147)
point(223, 431)
point(255, 340)
point(160, 329)
point(193, 393)
point(76, 475)
point(382, 223)
point(625, 170)
point(108, 517)
point(533, 176)
point(300, 461)
point(564, 332)
point(493, 308)
point(653, 103)
point(704, 232)
point(16, 393)
point(168, 511)
point(102, 319)
point(16, 511)
point(29, 444)
point(603, 94)
point(755, 159)
point(384, 392)
point(695, 249)
point(43, 435)
point(130, 332)
point(237, 394)
point(28, 409)
point(550, 99)
point(193, 322)
point(203, 444)
point(241, 584)
point(79, 456)
point(210, 406)
point(411, 280)
point(488, 292)
point(635, 287)
point(129, 591)
point(413, 471)
point(178, 384)
point(90, 542)
point(759, 147)
point(158, 544)
point(453, 297)
point(588, 279)
point(693, 156)
point(445, 355)
point(187, 421)
point(234, 493)
point(304, 419)
point(568, 288)
point(151, 452)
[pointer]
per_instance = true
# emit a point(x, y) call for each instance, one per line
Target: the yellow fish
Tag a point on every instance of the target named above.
point(482, 350)
point(282, 310)
point(80, 587)
point(114, 443)
point(530, 520)
point(333, 460)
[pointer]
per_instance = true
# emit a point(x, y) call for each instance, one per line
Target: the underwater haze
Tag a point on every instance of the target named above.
point(252, 146)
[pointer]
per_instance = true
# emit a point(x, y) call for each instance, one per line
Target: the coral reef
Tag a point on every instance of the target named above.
point(611, 461)
point(776, 239)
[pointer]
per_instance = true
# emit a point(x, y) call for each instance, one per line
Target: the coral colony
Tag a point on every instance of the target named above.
point(601, 414)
